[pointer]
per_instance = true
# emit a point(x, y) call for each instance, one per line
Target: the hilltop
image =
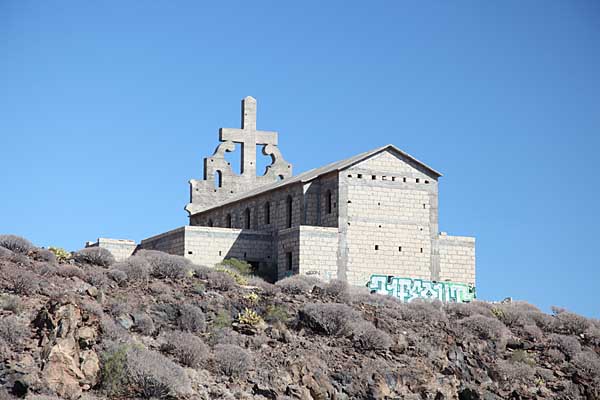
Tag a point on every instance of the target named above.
point(158, 326)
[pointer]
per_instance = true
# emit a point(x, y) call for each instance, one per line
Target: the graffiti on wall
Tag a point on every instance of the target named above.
point(407, 289)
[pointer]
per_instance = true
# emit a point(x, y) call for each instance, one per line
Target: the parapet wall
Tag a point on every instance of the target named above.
point(119, 248)
point(457, 258)
point(209, 246)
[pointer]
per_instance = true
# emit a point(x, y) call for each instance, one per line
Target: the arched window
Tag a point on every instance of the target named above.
point(267, 213)
point(228, 221)
point(289, 211)
point(329, 200)
point(210, 223)
point(247, 218)
point(218, 180)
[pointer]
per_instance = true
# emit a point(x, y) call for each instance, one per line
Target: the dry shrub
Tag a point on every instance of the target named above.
point(111, 330)
point(329, 318)
point(5, 254)
point(514, 371)
point(187, 348)
point(11, 303)
point(118, 276)
point(96, 278)
point(191, 318)
point(134, 371)
point(70, 271)
point(569, 322)
point(165, 265)
point(532, 332)
point(569, 345)
point(298, 284)
point(588, 363)
point(366, 337)
point(95, 256)
point(462, 310)
point(555, 356)
point(143, 324)
point(592, 335)
point(420, 310)
point(23, 282)
point(201, 271)
point(91, 307)
point(220, 281)
point(226, 335)
point(486, 328)
point(337, 289)
point(232, 360)
point(13, 331)
point(16, 244)
point(136, 269)
point(268, 289)
point(44, 255)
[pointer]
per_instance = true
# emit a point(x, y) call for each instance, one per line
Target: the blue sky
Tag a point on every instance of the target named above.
point(107, 109)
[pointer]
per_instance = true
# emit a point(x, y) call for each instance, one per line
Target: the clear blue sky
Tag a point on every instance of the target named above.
point(107, 109)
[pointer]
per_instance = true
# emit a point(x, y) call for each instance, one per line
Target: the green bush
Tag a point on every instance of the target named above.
point(61, 254)
point(222, 320)
point(237, 277)
point(276, 313)
point(113, 369)
point(240, 266)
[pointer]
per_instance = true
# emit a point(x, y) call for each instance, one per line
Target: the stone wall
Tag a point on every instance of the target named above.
point(210, 246)
point(318, 252)
point(288, 255)
point(278, 206)
point(388, 215)
point(172, 242)
point(120, 248)
point(457, 259)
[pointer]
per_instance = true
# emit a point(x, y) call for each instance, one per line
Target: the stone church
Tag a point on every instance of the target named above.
point(368, 217)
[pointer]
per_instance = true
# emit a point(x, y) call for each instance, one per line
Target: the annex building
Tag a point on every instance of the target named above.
point(369, 219)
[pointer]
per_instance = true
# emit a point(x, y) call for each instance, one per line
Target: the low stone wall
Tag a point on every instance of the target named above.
point(172, 242)
point(457, 258)
point(119, 248)
point(209, 246)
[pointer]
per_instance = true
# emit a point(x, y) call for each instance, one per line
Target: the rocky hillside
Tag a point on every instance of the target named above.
point(156, 326)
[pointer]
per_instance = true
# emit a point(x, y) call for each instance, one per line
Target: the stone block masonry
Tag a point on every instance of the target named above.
point(209, 246)
point(120, 248)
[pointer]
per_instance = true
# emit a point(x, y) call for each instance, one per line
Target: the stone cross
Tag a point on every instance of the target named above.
point(248, 136)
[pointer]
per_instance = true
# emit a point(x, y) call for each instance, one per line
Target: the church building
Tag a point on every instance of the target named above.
point(367, 219)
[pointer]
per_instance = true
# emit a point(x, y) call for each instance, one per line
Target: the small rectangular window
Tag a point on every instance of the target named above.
point(417, 180)
point(426, 181)
point(421, 249)
point(349, 175)
point(404, 179)
point(393, 178)
point(384, 178)
point(373, 177)
point(399, 248)
point(289, 260)
point(376, 247)
point(190, 253)
point(359, 176)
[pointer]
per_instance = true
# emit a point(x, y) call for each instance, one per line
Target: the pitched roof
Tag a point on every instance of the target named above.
point(316, 172)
